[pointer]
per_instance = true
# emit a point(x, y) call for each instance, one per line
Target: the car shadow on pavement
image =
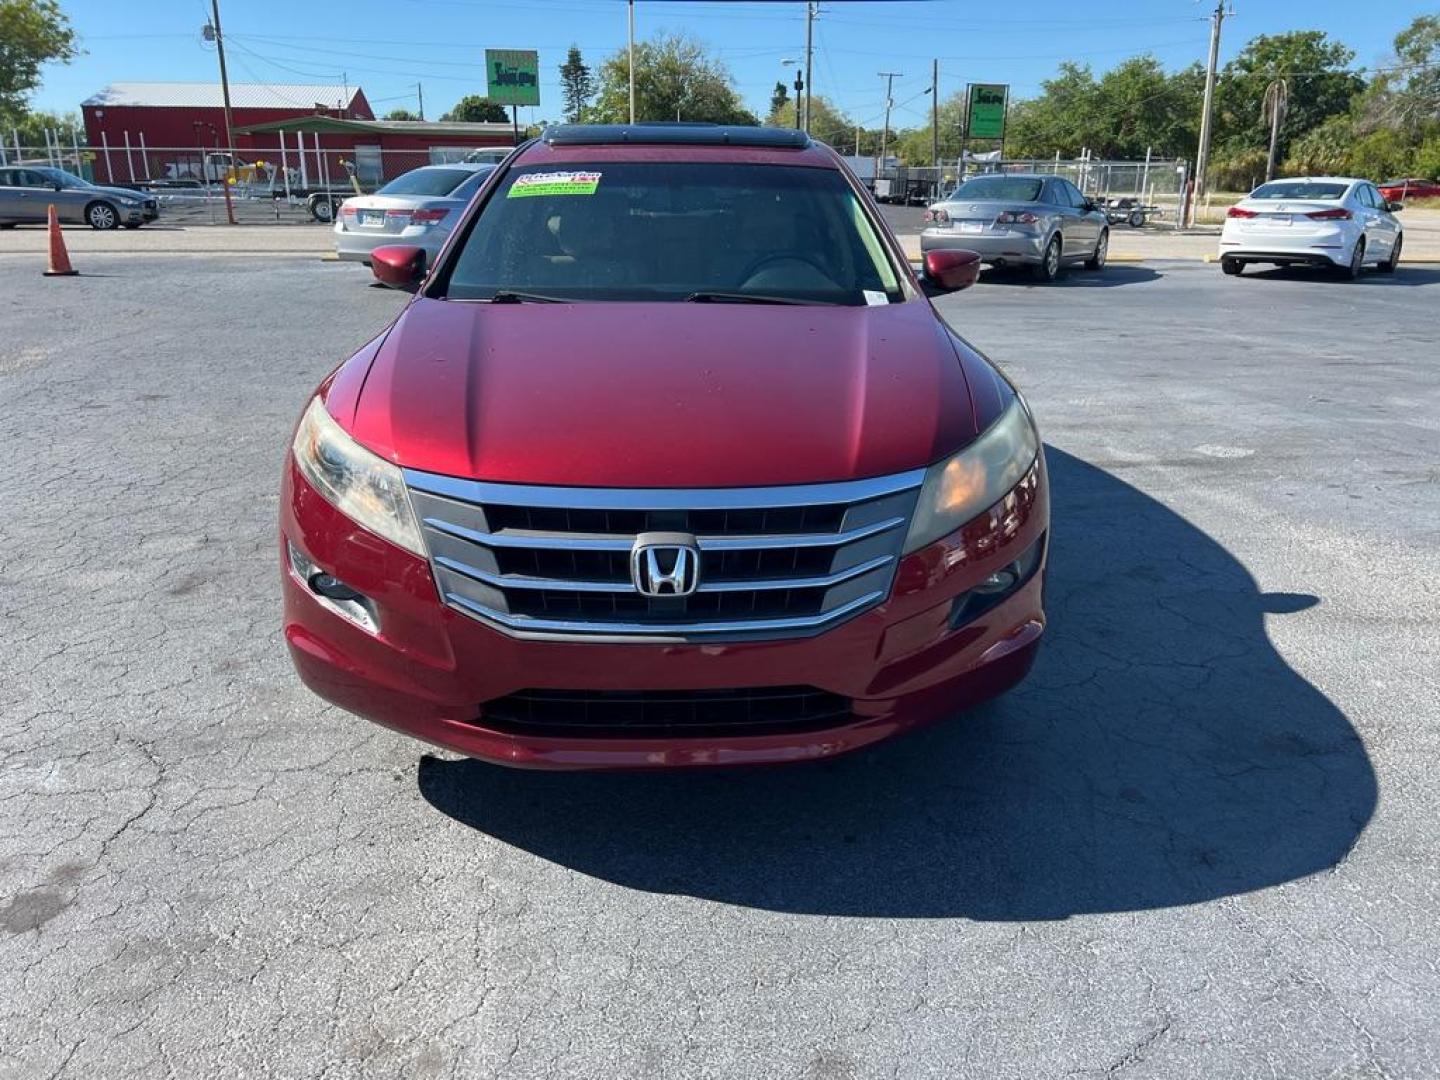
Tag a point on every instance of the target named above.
point(1075, 277)
point(1403, 275)
point(1161, 753)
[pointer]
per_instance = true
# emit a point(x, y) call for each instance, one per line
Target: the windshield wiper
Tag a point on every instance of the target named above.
point(708, 297)
point(507, 296)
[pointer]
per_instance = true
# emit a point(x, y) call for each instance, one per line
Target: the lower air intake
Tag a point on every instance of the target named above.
point(662, 713)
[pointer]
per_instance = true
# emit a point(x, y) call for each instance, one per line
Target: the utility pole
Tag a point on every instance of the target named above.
point(224, 78)
point(935, 115)
point(219, 37)
point(631, 61)
point(1202, 159)
point(809, 61)
point(420, 93)
point(889, 77)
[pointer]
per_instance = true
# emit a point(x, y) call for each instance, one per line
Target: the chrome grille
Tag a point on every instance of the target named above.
point(554, 561)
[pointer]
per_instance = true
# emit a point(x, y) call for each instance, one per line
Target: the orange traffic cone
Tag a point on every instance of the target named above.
point(59, 257)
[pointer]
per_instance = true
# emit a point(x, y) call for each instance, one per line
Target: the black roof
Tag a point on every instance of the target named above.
point(675, 134)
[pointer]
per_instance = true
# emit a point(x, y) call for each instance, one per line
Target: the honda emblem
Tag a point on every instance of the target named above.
point(665, 564)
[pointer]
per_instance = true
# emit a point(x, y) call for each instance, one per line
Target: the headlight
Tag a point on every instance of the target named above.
point(962, 486)
point(365, 488)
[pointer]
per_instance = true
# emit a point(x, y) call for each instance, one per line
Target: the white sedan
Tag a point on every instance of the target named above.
point(1318, 221)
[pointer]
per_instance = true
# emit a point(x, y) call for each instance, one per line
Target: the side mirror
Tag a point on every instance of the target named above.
point(400, 266)
point(1394, 207)
point(55, 185)
point(952, 269)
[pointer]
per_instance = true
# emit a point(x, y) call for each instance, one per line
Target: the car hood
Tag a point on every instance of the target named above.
point(659, 394)
point(116, 192)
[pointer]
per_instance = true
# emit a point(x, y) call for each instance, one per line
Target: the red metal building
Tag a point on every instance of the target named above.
point(151, 130)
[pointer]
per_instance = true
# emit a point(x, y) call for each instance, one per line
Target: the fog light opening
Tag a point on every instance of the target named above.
point(997, 587)
point(332, 588)
point(1000, 582)
point(332, 593)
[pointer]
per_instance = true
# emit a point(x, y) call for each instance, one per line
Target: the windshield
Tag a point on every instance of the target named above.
point(427, 181)
point(1298, 189)
point(65, 179)
point(674, 231)
point(999, 188)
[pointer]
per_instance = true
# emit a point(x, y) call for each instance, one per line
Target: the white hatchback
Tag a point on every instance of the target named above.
point(1315, 220)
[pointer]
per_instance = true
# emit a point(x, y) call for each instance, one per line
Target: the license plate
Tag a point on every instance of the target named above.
point(372, 217)
point(972, 226)
point(1278, 219)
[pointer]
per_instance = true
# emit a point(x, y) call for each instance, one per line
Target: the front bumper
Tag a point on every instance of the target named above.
point(136, 215)
point(993, 246)
point(430, 670)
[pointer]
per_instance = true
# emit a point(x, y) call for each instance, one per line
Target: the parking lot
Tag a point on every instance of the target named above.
point(1198, 842)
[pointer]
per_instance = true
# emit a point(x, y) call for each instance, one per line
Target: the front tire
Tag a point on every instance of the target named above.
point(1137, 218)
point(1102, 252)
point(1390, 265)
point(1048, 269)
point(102, 216)
point(1233, 267)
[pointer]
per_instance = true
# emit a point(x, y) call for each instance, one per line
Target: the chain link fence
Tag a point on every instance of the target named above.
point(283, 182)
point(1137, 193)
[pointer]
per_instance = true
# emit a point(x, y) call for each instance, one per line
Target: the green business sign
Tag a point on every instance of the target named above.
point(512, 76)
point(987, 110)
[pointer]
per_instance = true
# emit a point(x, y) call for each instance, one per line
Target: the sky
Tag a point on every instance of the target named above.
point(387, 46)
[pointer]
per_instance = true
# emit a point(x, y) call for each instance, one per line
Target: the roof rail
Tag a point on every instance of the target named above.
point(669, 133)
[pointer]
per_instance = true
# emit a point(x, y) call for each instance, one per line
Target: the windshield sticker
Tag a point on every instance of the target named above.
point(554, 183)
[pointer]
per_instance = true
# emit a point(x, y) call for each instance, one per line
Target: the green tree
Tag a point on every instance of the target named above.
point(474, 109)
point(1426, 159)
point(1323, 150)
point(31, 127)
point(32, 33)
point(1064, 118)
point(1320, 86)
point(827, 123)
point(778, 97)
point(675, 79)
point(577, 84)
point(913, 146)
point(401, 114)
point(1405, 94)
point(1146, 108)
point(1134, 107)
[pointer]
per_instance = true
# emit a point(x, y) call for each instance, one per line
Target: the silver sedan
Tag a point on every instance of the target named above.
point(1043, 222)
point(418, 208)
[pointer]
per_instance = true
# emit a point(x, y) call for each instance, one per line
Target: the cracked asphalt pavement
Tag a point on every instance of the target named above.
point(1200, 841)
